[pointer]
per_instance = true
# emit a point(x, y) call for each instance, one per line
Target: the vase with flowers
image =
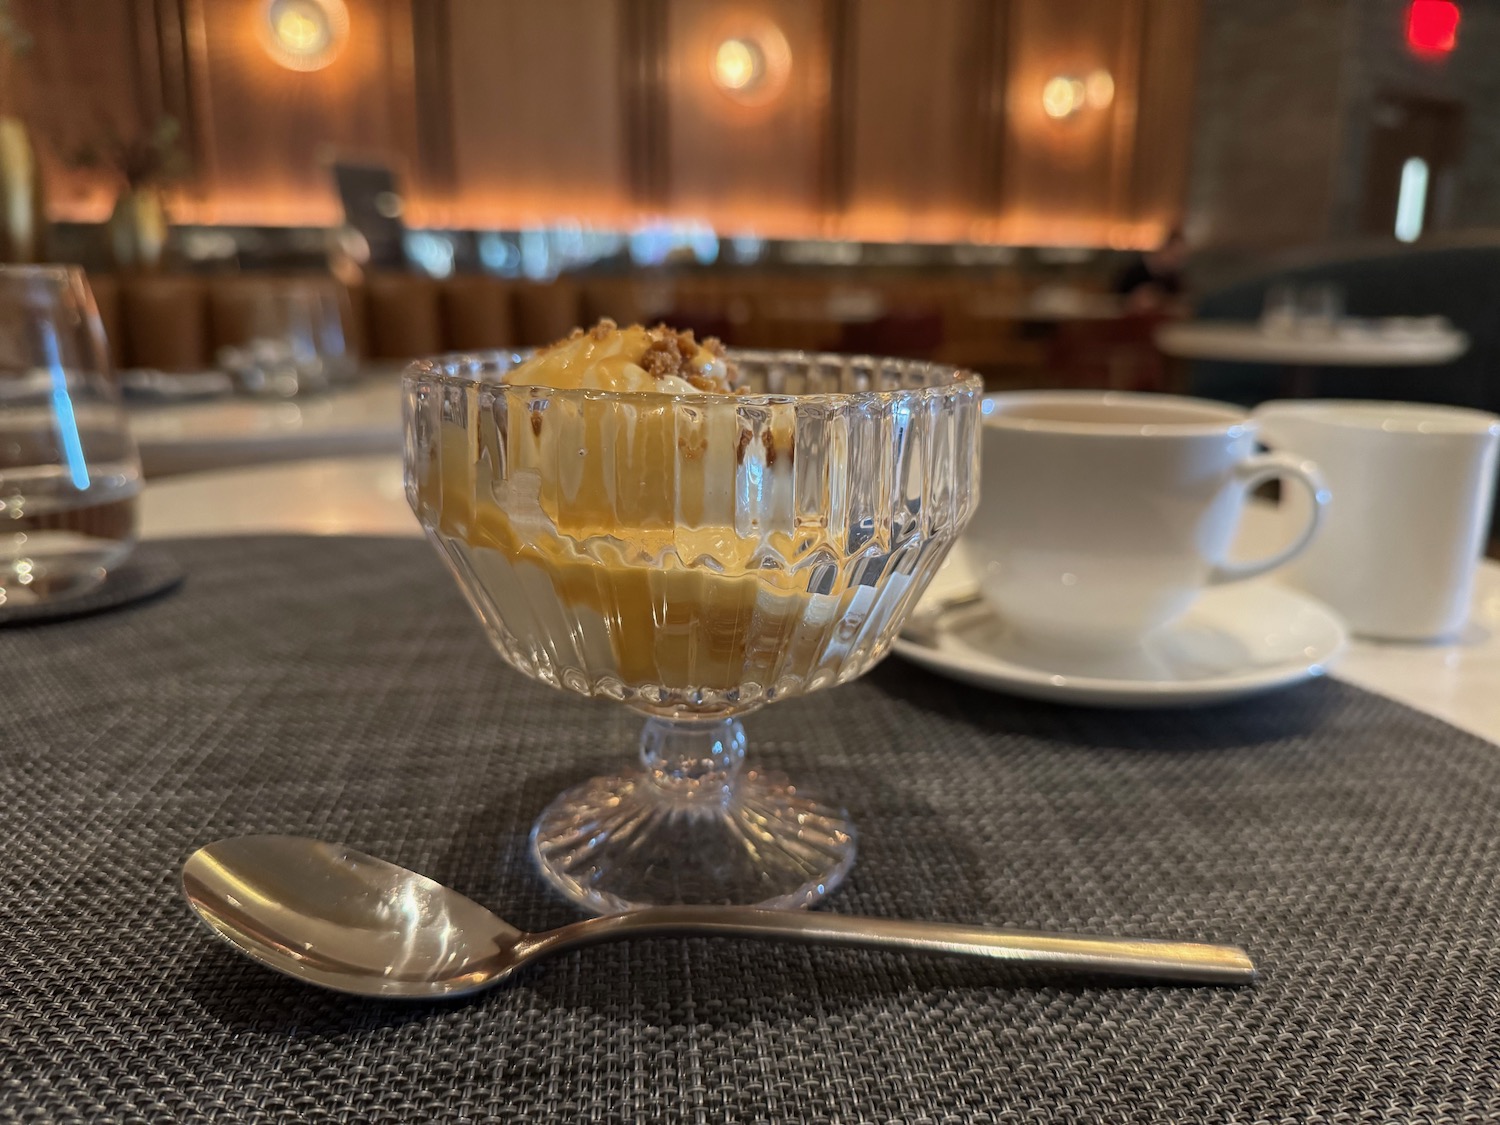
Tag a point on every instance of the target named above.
point(145, 164)
point(23, 216)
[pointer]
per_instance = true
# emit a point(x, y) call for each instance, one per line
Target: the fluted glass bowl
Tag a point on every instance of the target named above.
point(694, 557)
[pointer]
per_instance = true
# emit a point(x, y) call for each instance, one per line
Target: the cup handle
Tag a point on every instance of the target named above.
point(1251, 474)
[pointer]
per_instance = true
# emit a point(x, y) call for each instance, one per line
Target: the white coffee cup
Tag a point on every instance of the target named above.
point(1412, 489)
point(1103, 515)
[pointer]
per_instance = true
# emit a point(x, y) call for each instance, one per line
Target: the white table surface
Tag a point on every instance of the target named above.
point(222, 433)
point(323, 496)
point(1241, 342)
point(1457, 682)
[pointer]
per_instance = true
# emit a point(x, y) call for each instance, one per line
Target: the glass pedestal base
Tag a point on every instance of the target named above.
point(692, 827)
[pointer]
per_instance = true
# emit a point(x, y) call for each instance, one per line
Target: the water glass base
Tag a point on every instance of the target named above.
point(22, 585)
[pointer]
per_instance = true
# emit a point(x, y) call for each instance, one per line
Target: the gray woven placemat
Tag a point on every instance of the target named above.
point(338, 688)
point(149, 571)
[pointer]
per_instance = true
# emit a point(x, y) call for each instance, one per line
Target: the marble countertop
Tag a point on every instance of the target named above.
point(223, 433)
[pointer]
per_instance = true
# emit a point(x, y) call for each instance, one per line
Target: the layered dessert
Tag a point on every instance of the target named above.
point(607, 357)
point(638, 515)
point(628, 522)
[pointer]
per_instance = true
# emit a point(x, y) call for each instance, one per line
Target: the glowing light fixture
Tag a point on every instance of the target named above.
point(1432, 26)
point(1411, 202)
point(1063, 96)
point(752, 66)
point(1099, 88)
point(739, 64)
point(305, 34)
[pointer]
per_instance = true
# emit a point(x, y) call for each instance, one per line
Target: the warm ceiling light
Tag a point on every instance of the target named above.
point(1099, 88)
point(305, 34)
point(739, 64)
point(1063, 96)
point(752, 65)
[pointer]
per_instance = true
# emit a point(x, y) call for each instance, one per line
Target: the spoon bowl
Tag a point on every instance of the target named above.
point(336, 917)
point(328, 915)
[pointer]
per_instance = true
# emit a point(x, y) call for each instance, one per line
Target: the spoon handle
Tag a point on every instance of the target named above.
point(1147, 958)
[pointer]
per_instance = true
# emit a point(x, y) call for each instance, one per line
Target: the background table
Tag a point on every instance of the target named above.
point(222, 433)
point(1239, 342)
point(322, 496)
point(1302, 355)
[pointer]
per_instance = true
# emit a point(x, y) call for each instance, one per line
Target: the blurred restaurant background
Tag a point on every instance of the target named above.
point(275, 198)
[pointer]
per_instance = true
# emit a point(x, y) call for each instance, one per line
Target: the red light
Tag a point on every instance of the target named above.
point(1432, 26)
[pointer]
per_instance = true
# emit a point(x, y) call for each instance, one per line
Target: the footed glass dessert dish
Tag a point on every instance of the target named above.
point(693, 556)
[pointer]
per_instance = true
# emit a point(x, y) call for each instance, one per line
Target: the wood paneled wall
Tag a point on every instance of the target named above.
point(538, 129)
point(1059, 174)
point(93, 70)
point(272, 133)
point(261, 136)
point(743, 166)
point(919, 143)
point(1165, 104)
point(899, 119)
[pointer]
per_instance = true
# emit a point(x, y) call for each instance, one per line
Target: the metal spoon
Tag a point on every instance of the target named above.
point(334, 917)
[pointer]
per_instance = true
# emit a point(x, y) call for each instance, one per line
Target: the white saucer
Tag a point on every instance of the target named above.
point(1237, 640)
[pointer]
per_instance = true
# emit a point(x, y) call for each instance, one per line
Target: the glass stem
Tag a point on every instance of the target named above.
point(693, 760)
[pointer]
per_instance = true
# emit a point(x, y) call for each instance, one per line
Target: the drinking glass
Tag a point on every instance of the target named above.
point(1320, 308)
point(295, 341)
point(69, 474)
point(1279, 313)
point(694, 557)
